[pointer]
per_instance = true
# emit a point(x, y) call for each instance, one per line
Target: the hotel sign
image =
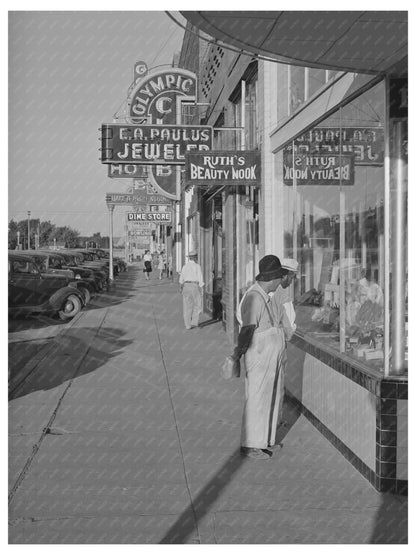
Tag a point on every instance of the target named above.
point(152, 144)
point(134, 171)
point(242, 167)
point(318, 169)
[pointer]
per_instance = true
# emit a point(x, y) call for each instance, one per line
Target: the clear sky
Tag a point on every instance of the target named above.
point(69, 72)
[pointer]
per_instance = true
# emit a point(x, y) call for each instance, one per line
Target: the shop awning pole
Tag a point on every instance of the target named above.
point(342, 261)
point(398, 301)
point(342, 269)
point(387, 235)
point(295, 207)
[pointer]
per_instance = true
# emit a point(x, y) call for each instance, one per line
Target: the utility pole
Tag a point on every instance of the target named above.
point(28, 229)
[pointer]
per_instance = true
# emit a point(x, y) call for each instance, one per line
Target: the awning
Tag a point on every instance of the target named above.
point(369, 42)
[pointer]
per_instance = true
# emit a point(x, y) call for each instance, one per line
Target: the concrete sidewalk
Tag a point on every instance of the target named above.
point(125, 433)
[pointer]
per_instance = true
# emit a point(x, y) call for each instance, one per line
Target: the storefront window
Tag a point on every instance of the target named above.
point(316, 79)
point(251, 127)
point(333, 178)
point(296, 87)
point(247, 197)
point(304, 82)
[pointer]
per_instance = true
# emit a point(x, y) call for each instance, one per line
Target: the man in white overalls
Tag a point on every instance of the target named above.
point(261, 341)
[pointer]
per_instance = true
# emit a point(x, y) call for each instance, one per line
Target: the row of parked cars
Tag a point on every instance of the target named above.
point(57, 282)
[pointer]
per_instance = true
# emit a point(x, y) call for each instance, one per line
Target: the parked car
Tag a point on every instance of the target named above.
point(50, 263)
point(104, 256)
point(30, 291)
point(74, 262)
point(121, 263)
point(86, 262)
point(89, 260)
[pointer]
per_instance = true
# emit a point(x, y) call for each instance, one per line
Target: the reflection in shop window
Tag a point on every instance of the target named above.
point(333, 179)
point(296, 87)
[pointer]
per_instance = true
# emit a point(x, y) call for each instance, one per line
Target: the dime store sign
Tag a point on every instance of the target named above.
point(157, 217)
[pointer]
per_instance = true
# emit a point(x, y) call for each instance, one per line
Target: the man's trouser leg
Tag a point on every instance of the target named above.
point(188, 302)
point(197, 305)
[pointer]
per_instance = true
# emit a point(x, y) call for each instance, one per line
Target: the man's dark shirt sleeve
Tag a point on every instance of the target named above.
point(244, 339)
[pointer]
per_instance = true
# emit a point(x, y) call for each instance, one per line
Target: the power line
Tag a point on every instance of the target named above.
point(161, 50)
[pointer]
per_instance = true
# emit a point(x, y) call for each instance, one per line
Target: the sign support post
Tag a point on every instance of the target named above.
point(110, 213)
point(28, 229)
point(126, 245)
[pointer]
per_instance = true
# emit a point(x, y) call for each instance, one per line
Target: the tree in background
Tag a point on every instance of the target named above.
point(46, 231)
point(66, 235)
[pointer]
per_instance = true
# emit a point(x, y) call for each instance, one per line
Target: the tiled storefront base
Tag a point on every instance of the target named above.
point(362, 414)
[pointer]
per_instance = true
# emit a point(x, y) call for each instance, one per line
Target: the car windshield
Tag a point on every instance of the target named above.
point(54, 262)
point(41, 262)
point(69, 259)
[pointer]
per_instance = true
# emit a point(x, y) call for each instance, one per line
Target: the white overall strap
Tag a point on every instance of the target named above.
point(273, 323)
point(238, 313)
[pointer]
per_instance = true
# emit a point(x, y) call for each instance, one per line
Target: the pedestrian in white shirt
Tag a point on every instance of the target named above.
point(191, 283)
point(281, 300)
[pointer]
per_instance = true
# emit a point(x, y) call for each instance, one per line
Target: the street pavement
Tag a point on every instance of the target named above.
point(122, 432)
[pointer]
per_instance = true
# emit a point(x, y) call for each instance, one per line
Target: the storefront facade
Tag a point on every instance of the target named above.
point(333, 195)
point(227, 235)
point(342, 175)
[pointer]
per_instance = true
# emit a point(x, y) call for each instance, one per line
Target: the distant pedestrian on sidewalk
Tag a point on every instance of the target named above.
point(281, 299)
point(147, 258)
point(262, 342)
point(161, 264)
point(191, 284)
point(170, 266)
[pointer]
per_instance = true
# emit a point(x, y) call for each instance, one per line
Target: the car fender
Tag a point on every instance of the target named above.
point(83, 283)
point(59, 296)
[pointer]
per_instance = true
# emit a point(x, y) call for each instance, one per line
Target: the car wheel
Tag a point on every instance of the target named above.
point(71, 307)
point(86, 294)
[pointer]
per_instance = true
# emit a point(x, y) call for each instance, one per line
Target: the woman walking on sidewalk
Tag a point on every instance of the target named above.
point(147, 264)
point(161, 264)
point(262, 342)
